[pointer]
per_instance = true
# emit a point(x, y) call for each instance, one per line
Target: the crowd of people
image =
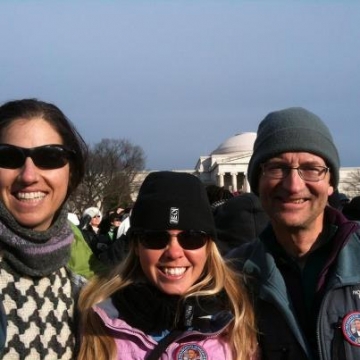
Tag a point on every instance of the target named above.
point(189, 271)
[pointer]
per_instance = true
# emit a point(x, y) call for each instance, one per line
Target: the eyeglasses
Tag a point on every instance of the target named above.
point(96, 216)
point(159, 239)
point(306, 172)
point(44, 157)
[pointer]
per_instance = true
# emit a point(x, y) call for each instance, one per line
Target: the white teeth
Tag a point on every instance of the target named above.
point(298, 201)
point(30, 196)
point(174, 271)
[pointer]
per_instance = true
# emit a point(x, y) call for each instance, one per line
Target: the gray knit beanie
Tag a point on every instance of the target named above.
point(292, 130)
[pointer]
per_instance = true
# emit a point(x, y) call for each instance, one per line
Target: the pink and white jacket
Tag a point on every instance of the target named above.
point(134, 344)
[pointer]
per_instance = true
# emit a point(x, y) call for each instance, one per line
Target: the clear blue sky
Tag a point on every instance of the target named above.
point(179, 77)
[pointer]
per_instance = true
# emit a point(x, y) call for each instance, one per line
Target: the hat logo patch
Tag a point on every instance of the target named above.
point(174, 215)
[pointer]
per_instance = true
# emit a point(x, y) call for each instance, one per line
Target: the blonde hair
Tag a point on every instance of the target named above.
point(97, 344)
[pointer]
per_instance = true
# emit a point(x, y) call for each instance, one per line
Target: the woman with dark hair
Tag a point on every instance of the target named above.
point(173, 292)
point(42, 159)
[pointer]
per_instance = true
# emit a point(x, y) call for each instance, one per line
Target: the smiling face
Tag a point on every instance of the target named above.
point(293, 203)
point(32, 195)
point(173, 270)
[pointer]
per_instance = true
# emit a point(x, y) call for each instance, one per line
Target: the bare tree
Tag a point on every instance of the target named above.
point(352, 183)
point(110, 171)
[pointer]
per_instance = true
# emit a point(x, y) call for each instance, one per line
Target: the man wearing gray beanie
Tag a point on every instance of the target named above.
point(305, 266)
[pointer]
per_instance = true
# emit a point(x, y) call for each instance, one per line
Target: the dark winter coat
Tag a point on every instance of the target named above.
point(280, 335)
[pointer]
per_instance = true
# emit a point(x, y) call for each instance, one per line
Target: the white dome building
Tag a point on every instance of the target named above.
point(227, 164)
point(239, 143)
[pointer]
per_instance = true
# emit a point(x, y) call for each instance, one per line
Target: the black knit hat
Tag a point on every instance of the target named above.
point(292, 130)
point(172, 200)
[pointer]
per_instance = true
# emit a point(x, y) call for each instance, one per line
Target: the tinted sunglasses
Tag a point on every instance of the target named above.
point(45, 157)
point(159, 239)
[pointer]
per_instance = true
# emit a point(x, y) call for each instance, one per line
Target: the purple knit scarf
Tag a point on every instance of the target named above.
point(35, 253)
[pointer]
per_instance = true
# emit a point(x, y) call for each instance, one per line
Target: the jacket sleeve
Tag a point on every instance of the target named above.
point(82, 260)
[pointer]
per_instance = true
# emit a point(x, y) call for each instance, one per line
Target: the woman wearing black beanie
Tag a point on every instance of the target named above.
point(174, 294)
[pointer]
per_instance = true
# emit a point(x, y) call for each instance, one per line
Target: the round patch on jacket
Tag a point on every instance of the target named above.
point(190, 352)
point(351, 328)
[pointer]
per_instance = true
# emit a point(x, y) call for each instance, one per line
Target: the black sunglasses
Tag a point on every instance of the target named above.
point(45, 157)
point(159, 239)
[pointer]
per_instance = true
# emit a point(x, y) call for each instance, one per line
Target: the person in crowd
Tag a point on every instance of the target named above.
point(109, 226)
point(42, 160)
point(107, 233)
point(89, 226)
point(338, 200)
point(218, 195)
point(239, 220)
point(304, 266)
point(351, 210)
point(82, 260)
point(174, 291)
point(125, 222)
point(115, 251)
